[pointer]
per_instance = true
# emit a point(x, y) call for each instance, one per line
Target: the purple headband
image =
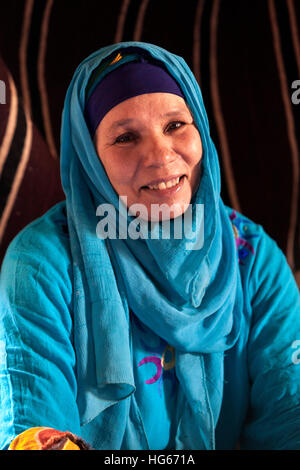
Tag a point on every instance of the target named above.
point(126, 81)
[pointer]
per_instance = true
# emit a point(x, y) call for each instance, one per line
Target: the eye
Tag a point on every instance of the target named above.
point(125, 138)
point(174, 125)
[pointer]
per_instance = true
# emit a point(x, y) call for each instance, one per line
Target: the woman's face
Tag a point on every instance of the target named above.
point(151, 151)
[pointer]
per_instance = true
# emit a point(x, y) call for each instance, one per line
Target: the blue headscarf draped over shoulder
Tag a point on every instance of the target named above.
point(192, 298)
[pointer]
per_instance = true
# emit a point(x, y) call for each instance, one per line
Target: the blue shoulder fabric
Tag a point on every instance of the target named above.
point(37, 359)
point(273, 421)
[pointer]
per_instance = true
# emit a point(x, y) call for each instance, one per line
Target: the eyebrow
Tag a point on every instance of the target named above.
point(121, 123)
point(125, 122)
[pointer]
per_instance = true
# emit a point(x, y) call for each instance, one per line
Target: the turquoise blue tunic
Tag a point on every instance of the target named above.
point(38, 358)
point(147, 343)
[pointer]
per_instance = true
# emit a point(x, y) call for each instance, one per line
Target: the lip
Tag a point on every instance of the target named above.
point(166, 191)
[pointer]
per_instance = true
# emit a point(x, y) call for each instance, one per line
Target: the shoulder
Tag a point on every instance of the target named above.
point(255, 247)
point(264, 269)
point(247, 235)
point(44, 234)
point(43, 242)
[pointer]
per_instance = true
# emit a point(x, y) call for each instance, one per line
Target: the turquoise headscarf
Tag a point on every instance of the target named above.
point(190, 298)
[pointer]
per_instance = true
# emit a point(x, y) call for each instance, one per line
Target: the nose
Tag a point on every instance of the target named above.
point(158, 152)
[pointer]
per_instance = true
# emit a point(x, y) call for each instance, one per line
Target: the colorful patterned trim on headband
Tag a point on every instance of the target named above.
point(108, 66)
point(116, 59)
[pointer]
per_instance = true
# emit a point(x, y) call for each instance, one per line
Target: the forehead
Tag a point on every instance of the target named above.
point(146, 106)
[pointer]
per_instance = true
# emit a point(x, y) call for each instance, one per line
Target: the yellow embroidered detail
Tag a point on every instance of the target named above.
point(26, 440)
point(43, 438)
point(235, 231)
point(69, 445)
point(116, 59)
point(170, 364)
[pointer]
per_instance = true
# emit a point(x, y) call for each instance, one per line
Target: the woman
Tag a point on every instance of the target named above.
point(124, 337)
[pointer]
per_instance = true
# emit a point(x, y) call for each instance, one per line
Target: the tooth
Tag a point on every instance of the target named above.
point(164, 185)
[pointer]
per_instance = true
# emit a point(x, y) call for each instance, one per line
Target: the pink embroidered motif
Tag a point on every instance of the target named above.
point(157, 361)
point(161, 363)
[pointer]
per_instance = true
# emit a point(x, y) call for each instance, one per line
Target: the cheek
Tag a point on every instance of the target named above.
point(192, 148)
point(120, 171)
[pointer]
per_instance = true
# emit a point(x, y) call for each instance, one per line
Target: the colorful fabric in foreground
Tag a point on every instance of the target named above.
point(42, 438)
point(243, 246)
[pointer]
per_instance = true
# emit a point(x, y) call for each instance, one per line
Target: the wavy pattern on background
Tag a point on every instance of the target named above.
point(11, 123)
point(121, 21)
point(207, 33)
point(18, 175)
point(42, 79)
point(218, 112)
point(291, 132)
point(197, 41)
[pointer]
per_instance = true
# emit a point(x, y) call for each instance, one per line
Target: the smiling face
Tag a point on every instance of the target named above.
point(151, 151)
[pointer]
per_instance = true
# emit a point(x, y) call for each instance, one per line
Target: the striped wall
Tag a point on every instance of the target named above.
point(245, 55)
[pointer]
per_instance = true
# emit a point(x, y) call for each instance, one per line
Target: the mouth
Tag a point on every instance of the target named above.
point(165, 185)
